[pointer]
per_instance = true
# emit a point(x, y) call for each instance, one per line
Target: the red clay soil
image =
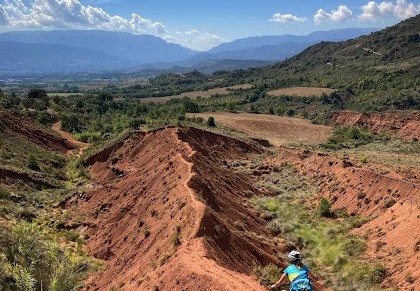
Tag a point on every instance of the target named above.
point(391, 201)
point(165, 213)
point(403, 124)
point(16, 123)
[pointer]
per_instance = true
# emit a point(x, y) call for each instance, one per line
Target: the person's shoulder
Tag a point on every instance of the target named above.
point(305, 267)
point(290, 268)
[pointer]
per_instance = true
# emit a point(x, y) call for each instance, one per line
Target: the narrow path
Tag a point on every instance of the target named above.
point(80, 146)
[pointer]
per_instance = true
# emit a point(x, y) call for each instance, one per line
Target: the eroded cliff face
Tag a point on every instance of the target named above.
point(402, 124)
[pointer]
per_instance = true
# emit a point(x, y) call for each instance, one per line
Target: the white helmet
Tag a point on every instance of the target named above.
point(294, 256)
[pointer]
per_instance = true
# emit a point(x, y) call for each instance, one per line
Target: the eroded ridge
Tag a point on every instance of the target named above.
point(167, 212)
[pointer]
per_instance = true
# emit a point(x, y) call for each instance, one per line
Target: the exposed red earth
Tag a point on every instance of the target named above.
point(15, 123)
point(391, 201)
point(403, 124)
point(166, 213)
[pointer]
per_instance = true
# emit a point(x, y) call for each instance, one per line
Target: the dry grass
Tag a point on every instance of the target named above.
point(278, 130)
point(301, 91)
point(196, 94)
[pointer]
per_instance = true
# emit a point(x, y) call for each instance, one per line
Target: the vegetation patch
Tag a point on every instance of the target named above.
point(325, 241)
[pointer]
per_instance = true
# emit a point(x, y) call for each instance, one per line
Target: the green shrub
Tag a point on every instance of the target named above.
point(32, 163)
point(324, 208)
point(364, 159)
point(210, 121)
point(31, 259)
point(378, 273)
point(389, 203)
point(267, 275)
point(4, 195)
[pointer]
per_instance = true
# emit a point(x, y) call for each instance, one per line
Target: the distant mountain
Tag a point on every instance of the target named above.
point(95, 50)
point(47, 58)
point(138, 49)
point(259, 41)
point(243, 53)
point(261, 53)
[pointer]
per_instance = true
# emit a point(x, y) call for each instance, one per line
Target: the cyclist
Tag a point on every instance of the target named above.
point(297, 273)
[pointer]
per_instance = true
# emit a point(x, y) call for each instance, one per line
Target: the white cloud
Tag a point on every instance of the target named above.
point(194, 39)
point(286, 18)
point(400, 9)
point(3, 16)
point(342, 14)
point(71, 14)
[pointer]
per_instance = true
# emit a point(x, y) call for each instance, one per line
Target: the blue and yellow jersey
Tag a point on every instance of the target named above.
point(293, 272)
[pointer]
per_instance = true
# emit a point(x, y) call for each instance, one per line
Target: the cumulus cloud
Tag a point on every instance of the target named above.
point(194, 39)
point(3, 16)
point(286, 18)
point(71, 14)
point(342, 14)
point(400, 9)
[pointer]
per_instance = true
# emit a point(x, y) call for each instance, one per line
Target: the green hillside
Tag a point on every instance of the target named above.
point(379, 71)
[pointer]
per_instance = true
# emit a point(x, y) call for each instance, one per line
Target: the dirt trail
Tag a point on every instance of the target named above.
point(167, 213)
point(79, 146)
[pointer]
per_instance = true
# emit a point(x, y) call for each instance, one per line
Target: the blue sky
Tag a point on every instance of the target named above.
point(203, 24)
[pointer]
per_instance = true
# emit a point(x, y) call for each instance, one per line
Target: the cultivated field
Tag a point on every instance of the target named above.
point(196, 94)
point(278, 130)
point(301, 91)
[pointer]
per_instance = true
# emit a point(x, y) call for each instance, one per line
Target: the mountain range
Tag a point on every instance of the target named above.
point(95, 50)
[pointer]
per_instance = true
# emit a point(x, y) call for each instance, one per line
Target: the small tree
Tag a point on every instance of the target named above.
point(210, 121)
point(324, 208)
point(36, 94)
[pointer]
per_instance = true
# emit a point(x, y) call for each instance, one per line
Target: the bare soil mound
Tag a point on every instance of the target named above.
point(165, 212)
point(15, 123)
point(278, 130)
point(403, 124)
point(391, 202)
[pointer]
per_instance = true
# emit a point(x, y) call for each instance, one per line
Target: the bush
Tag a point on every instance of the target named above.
point(211, 122)
point(267, 275)
point(389, 203)
point(31, 260)
point(33, 164)
point(364, 160)
point(4, 195)
point(324, 208)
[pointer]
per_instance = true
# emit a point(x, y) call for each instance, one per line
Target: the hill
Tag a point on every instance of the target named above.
point(259, 41)
point(49, 58)
point(373, 72)
point(254, 51)
point(135, 48)
point(171, 215)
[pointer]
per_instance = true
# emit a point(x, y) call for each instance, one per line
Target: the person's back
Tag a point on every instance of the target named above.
point(297, 273)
